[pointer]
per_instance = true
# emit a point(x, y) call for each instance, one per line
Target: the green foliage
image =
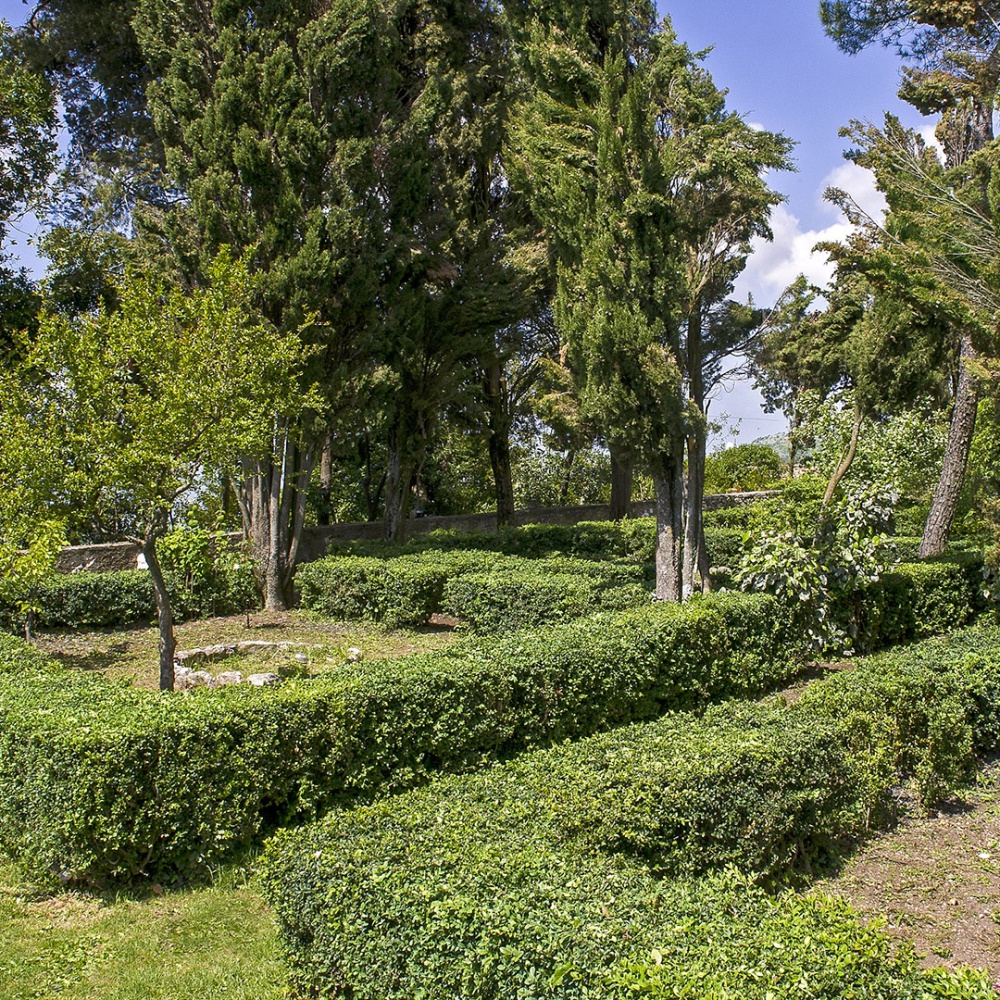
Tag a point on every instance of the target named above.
point(209, 575)
point(23, 571)
point(27, 131)
point(100, 781)
point(490, 592)
point(395, 592)
point(103, 600)
point(745, 467)
point(848, 553)
point(542, 876)
point(507, 599)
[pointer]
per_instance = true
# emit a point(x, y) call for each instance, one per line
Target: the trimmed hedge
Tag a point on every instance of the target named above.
point(541, 877)
point(98, 780)
point(98, 600)
point(490, 592)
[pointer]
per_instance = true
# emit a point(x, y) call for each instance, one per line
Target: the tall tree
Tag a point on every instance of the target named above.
point(591, 149)
point(952, 52)
point(140, 403)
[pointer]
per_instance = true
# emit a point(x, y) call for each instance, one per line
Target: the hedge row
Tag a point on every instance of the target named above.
point(98, 600)
point(101, 780)
point(490, 592)
point(98, 780)
point(543, 877)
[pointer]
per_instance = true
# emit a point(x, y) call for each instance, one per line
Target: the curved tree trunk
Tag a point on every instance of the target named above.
point(621, 482)
point(847, 460)
point(164, 614)
point(668, 486)
point(956, 457)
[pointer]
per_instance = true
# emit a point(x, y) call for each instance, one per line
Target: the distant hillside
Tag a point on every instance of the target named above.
point(779, 442)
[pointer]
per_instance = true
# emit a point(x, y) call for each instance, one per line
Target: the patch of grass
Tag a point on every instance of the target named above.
point(192, 944)
point(130, 653)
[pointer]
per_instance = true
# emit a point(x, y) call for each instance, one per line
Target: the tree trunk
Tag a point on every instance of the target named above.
point(273, 504)
point(668, 486)
point(695, 575)
point(398, 484)
point(696, 568)
point(956, 457)
point(325, 479)
point(499, 443)
point(621, 482)
point(165, 618)
point(848, 459)
point(567, 473)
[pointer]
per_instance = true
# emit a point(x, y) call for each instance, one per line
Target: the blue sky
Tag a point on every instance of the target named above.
point(783, 73)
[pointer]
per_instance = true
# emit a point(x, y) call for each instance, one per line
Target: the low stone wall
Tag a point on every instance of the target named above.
point(316, 539)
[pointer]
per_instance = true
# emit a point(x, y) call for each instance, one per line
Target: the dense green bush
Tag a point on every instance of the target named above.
point(100, 780)
point(491, 591)
point(99, 600)
point(631, 540)
point(744, 468)
point(503, 601)
point(395, 592)
point(544, 872)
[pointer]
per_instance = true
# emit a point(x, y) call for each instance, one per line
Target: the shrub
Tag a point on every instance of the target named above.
point(540, 873)
point(395, 592)
point(99, 780)
point(743, 468)
point(201, 584)
point(507, 601)
point(492, 592)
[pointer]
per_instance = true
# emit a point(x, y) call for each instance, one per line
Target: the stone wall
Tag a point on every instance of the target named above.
point(124, 555)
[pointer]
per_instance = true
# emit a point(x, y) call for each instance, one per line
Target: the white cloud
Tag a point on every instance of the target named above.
point(775, 265)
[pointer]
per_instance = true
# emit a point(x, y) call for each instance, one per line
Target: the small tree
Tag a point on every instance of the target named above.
point(145, 400)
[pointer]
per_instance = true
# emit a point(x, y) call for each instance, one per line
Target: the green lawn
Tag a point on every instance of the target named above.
point(190, 944)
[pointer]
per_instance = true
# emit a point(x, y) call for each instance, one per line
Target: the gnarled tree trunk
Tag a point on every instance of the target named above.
point(956, 456)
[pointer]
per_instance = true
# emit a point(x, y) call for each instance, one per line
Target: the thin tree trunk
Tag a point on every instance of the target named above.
point(621, 481)
point(325, 478)
point(956, 457)
point(695, 572)
point(696, 569)
point(499, 443)
point(668, 487)
point(272, 500)
point(848, 459)
point(164, 614)
point(567, 473)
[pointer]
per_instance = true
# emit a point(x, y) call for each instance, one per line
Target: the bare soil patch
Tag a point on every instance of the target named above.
point(130, 652)
point(935, 879)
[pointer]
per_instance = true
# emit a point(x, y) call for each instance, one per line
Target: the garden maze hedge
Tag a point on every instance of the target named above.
point(546, 876)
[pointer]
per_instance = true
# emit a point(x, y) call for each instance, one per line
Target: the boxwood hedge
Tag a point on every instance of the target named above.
point(489, 592)
point(101, 780)
point(542, 877)
point(98, 600)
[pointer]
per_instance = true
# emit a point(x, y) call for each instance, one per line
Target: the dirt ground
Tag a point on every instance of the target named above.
point(130, 652)
point(935, 879)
